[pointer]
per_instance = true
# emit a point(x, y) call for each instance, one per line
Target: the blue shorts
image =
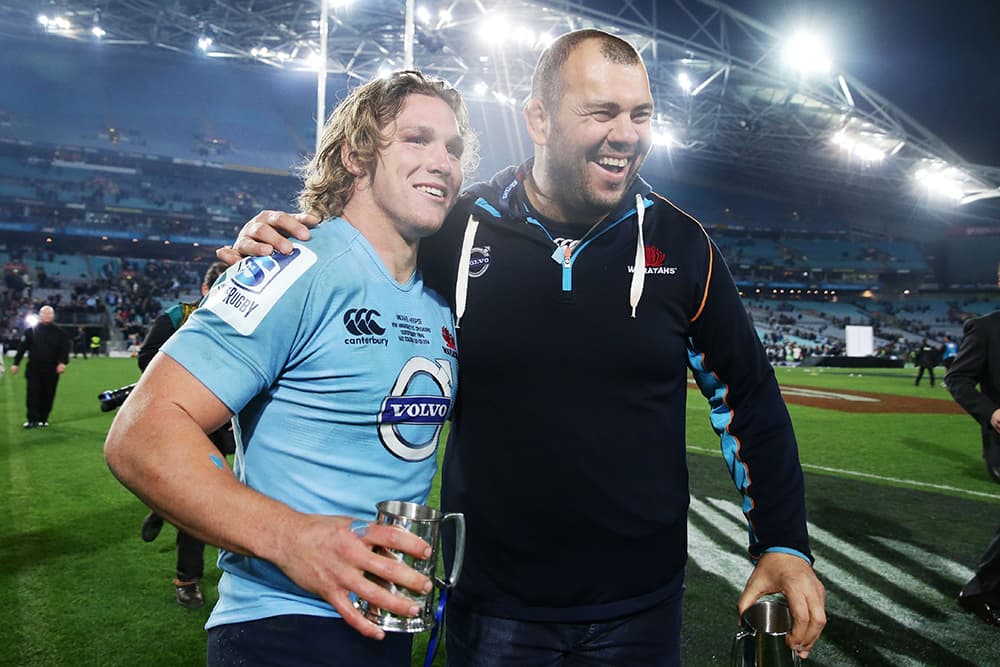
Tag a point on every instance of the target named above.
point(302, 641)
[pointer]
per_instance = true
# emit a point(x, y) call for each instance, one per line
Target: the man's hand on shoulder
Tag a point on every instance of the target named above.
point(266, 232)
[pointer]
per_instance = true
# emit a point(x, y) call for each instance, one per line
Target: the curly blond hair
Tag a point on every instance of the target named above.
point(358, 122)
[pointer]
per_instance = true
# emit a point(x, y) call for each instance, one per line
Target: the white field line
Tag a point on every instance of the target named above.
point(734, 570)
point(821, 393)
point(954, 571)
point(881, 478)
point(954, 630)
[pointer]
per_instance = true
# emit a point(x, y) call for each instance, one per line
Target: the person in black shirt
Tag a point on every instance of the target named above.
point(190, 550)
point(927, 359)
point(47, 347)
point(974, 382)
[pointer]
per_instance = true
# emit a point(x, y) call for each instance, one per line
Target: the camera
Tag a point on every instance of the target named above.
point(112, 398)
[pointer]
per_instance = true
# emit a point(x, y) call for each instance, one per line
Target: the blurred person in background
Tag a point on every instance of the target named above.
point(926, 359)
point(974, 382)
point(47, 347)
point(306, 352)
point(190, 550)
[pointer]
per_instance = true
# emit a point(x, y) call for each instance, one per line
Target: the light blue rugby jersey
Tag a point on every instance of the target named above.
point(341, 379)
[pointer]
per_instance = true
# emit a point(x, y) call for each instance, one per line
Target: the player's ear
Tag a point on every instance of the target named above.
point(536, 117)
point(349, 158)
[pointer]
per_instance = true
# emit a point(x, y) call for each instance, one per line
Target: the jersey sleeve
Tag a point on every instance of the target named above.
point(748, 413)
point(248, 326)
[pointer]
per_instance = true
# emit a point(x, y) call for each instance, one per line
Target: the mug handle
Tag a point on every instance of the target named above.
point(737, 657)
point(456, 565)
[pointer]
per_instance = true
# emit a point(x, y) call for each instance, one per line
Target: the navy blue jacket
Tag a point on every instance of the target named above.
point(567, 454)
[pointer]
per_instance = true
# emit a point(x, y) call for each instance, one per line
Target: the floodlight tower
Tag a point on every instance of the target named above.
point(324, 33)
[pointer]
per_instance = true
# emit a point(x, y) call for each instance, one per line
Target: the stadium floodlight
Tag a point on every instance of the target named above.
point(313, 60)
point(55, 23)
point(337, 4)
point(806, 51)
point(545, 40)
point(96, 30)
point(941, 180)
point(662, 136)
point(205, 43)
point(31, 320)
point(684, 81)
point(444, 16)
point(423, 14)
point(857, 146)
point(481, 88)
point(494, 29)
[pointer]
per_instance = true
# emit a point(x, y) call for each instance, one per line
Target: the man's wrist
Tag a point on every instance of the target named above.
point(789, 551)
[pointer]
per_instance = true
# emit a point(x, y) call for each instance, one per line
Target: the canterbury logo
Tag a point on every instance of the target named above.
point(362, 322)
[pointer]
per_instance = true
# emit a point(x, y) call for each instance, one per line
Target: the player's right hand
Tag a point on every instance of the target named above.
point(328, 556)
point(266, 232)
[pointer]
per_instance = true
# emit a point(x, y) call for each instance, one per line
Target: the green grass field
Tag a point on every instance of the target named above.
point(899, 504)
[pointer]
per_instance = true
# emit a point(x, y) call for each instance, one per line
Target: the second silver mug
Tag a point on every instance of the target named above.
point(760, 641)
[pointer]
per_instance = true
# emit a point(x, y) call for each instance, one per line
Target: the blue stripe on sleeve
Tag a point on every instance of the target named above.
point(721, 416)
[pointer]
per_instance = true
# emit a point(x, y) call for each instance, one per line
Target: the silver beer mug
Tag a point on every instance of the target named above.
point(424, 522)
point(760, 641)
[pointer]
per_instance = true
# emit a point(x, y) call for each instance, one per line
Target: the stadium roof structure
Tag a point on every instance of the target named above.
point(738, 104)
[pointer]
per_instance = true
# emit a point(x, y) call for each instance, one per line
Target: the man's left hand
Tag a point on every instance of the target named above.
point(60, 368)
point(795, 578)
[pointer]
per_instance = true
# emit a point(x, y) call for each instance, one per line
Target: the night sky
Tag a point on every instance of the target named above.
point(936, 60)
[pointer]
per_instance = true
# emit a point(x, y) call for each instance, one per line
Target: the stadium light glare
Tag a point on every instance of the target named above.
point(806, 51)
point(312, 60)
point(481, 88)
point(684, 81)
point(55, 23)
point(98, 31)
point(664, 137)
point(524, 36)
point(494, 29)
point(941, 180)
point(205, 43)
point(444, 16)
point(858, 147)
point(423, 14)
point(31, 320)
point(338, 4)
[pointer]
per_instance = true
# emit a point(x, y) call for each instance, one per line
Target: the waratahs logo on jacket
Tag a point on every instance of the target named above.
point(412, 416)
point(251, 288)
point(654, 262)
point(449, 346)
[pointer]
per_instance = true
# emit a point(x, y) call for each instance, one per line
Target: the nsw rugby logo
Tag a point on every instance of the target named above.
point(253, 287)
point(256, 273)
